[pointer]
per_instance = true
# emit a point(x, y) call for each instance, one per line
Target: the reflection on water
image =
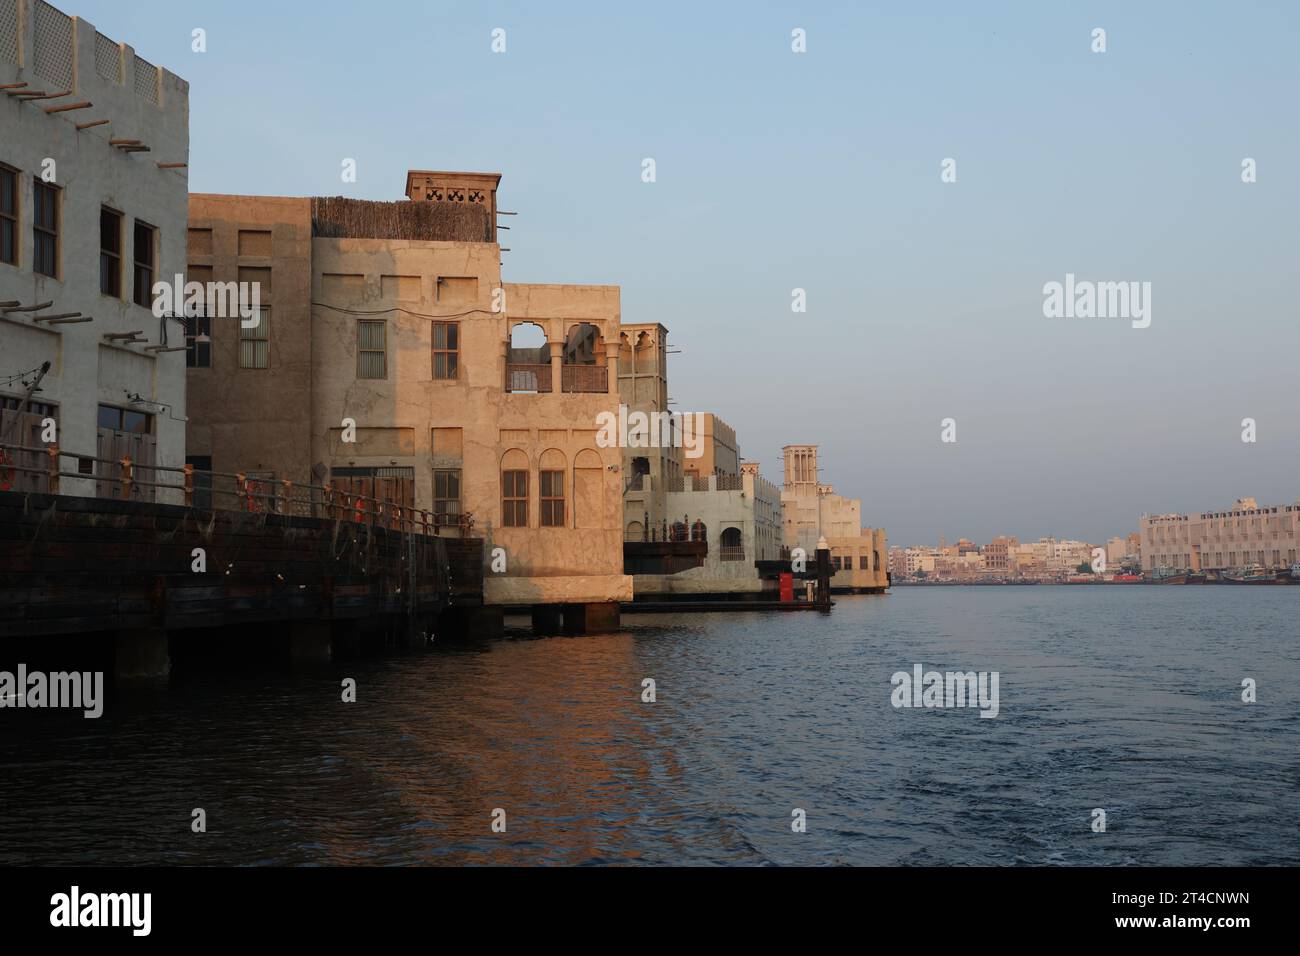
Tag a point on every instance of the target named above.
point(1122, 698)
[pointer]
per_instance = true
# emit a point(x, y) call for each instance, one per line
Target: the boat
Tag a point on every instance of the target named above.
point(1250, 574)
point(1167, 576)
point(1290, 575)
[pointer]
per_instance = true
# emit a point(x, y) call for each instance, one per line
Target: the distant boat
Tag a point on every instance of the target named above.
point(1168, 576)
point(1250, 574)
point(1289, 576)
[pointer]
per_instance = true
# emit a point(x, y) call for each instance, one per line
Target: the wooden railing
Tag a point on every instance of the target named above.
point(521, 377)
point(231, 491)
point(586, 378)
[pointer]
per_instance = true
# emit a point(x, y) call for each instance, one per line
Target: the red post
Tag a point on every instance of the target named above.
point(189, 485)
point(53, 452)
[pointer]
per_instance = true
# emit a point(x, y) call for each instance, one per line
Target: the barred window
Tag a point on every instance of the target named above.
point(551, 486)
point(255, 343)
point(45, 229)
point(514, 499)
point(8, 215)
point(372, 359)
point(446, 491)
point(110, 252)
point(446, 349)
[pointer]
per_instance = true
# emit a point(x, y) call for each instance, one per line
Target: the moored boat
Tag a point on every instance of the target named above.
point(1250, 574)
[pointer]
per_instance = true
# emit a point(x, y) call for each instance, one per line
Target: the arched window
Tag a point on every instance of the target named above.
point(635, 531)
point(528, 360)
point(550, 488)
point(514, 489)
point(731, 545)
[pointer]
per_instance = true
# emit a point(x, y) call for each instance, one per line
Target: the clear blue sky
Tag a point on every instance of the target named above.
point(821, 171)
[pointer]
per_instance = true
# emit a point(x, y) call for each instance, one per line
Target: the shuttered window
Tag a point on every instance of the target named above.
point(255, 343)
point(371, 354)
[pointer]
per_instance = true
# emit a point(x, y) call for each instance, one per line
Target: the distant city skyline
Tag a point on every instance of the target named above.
point(821, 171)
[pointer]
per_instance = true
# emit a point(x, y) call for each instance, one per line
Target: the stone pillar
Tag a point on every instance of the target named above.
point(557, 366)
point(611, 364)
point(594, 618)
point(546, 619)
point(311, 643)
point(141, 653)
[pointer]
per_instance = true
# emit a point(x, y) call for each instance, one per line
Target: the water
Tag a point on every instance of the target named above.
point(1123, 698)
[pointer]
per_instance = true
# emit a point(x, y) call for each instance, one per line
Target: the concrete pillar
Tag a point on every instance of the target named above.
point(594, 618)
point(141, 653)
point(546, 619)
point(311, 643)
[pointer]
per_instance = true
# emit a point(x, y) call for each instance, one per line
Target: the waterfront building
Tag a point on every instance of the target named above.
point(813, 511)
point(94, 141)
point(1213, 540)
point(740, 518)
point(392, 359)
point(648, 471)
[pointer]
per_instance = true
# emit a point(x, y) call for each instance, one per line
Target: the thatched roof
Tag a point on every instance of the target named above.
point(338, 217)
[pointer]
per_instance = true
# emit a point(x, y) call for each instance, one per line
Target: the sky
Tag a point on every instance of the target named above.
point(821, 171)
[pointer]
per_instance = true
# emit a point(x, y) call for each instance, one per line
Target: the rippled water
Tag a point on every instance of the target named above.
point(1126, 699)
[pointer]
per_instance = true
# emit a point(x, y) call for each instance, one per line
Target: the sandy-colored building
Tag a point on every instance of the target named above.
point(392, 361)
point(1214, 540)
point(89, 221)
point(653, 466)
point(739, 518)
point(720, 451)
point(812, 510)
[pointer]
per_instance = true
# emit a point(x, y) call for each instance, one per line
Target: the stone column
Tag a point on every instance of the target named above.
point(557, 366)
point(611, 365)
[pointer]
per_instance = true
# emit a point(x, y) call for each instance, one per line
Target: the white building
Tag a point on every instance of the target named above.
point(93, 209)
point(1244, 534)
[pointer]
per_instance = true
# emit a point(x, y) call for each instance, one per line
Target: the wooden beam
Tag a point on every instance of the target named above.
point(123, 335)
point(27, 308)
point(61, 315)
point(17, 92)
point(81, 126)
point(171, 165)
point(51, 96)
point(123, 142)
point(5, 305)
point(11, 86)
point(135, 149)
point(84, 105)
point(83, 318)
point(165, 348)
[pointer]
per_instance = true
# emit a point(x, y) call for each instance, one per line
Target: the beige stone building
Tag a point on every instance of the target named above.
point(392, 361)
point(94, 140)
point(812, 510)
point(647, 472)
point(1214, 540)
point(721, 453)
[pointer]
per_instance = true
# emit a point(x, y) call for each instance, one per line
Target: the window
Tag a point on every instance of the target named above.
point(732, 547)
point(255, 342)
point(446, 491)
point(144, 253)
point(446, 349)
point(371, 355)
point(864, 563)
point(125, 420)
point(8, 215)
point(45, 229)
point(110, 252)
point(551, 487)
point(198, 341)
point(514, 499)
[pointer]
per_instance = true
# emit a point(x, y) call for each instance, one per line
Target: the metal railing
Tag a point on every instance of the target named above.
point(731, 553)
point(233, 491)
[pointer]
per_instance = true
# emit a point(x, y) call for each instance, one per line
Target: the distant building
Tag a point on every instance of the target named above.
point(1212, 540)
point(93, 202)
point(812, 511)
point(721, 454)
